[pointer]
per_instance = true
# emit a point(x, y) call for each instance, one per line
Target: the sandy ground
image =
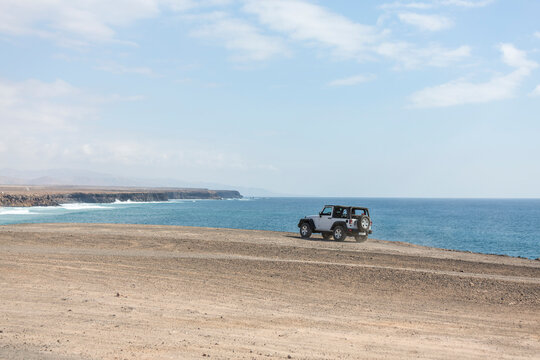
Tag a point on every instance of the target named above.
point(156, 292)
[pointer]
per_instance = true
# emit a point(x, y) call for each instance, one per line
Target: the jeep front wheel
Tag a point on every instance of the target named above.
point(305, 230)
point(339, 233)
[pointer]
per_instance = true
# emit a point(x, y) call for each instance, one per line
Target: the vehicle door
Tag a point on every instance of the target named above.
point(324, 222)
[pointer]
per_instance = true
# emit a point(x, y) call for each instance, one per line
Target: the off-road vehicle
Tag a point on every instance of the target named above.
point(338, 221)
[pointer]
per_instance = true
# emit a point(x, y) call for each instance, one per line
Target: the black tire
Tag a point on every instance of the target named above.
point(360, 238)
point(339, 233)
point(305, 230)
point(363, 223)
point(326, 235)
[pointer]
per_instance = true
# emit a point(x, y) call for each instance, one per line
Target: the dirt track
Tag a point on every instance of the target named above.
point(157, 292)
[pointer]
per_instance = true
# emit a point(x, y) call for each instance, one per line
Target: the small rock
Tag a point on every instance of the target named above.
point(117, 294)
point(289, 357)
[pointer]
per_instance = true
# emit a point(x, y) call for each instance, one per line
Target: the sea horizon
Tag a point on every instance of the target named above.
point(490, 226)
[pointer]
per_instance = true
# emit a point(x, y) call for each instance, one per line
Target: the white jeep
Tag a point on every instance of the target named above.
point(339, 221)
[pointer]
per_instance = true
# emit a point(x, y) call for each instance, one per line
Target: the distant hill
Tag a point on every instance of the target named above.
point(8, 180)
point(73, 177)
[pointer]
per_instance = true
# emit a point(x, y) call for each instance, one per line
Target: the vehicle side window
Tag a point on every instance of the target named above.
point(358, 212)
point(345, 213)
point(327, 211)
point(337, 212)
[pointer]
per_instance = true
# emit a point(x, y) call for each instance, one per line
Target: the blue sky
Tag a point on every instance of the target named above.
point(330, 98)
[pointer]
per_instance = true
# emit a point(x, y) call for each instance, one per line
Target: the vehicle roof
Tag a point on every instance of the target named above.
point(348, 206)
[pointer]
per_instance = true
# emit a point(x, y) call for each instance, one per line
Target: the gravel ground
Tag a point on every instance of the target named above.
point(73, 291)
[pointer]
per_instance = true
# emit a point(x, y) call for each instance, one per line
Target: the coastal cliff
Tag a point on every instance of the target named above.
point(56, 197)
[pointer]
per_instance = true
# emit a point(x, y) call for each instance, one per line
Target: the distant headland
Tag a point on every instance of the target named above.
point(24, 196)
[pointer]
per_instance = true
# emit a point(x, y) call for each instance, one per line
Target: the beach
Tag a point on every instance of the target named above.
point(94, 291)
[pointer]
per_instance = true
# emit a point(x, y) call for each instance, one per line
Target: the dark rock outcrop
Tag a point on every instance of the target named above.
point(55, 199)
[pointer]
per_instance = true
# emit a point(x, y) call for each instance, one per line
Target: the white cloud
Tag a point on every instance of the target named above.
point(185, 154)
point(537, 34)
point(407, 5)
point(516, 58)
point(40, 105)
point(315, 25)
point(459, 92)
point(307, 22)
point(536, 91)
point(77, 23)
point(116, 98)
point(353, 80)
point(435, 3)
point(34, 108)
point(244, 39)
point(37, 117)
point(426, 22)
point(410, 56)
point(121, 69)
point(92, 20)
point(466, 3)
point(52, 124)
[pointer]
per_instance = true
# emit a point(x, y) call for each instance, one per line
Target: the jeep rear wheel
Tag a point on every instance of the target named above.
point(360, 238)
point(339, 233)
point(305, 230)
point(326, 235)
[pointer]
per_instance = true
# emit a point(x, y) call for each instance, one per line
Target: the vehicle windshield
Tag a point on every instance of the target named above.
point(327, 211)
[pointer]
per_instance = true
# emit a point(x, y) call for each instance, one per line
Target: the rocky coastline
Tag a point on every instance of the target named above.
point(55, 198)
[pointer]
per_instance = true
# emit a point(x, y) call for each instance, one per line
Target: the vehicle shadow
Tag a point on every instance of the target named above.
point(312, 238)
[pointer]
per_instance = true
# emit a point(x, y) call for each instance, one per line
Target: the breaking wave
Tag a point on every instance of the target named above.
point(131, 202)
point(82, 206)
point(122, 202)
point(15, 211)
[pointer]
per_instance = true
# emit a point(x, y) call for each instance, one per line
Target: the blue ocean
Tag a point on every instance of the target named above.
point(492, 226)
